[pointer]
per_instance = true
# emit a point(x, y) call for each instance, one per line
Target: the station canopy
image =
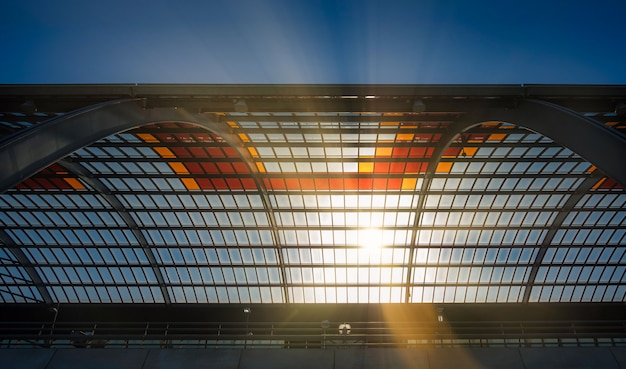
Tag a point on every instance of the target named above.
point(268, 194)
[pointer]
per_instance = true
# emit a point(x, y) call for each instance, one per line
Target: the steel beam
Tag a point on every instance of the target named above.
point(23, 260)
point(36, 148)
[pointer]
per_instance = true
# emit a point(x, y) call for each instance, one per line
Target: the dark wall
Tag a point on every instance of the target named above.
point(435, 358)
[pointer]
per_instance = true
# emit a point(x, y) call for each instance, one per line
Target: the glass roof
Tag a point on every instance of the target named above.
point(316, 208)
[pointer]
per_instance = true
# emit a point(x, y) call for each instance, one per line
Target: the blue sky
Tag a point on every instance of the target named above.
point(295, 41)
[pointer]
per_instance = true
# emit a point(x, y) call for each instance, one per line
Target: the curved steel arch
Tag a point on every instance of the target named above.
point(598, 144)
point(26, 153)
point(566, 127)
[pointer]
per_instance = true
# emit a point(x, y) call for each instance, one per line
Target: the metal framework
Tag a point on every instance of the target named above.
point(277, 195)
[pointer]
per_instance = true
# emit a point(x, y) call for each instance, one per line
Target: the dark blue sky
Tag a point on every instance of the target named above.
point(296, 41)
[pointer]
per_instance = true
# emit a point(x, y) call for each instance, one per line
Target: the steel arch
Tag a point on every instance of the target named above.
point(31, 150)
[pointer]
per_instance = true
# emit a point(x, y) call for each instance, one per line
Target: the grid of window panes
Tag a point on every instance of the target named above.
point(341, 217)
point(343, 189)
point(586, 260)
point(16, 284)
point(79, 246)
point(486, 216)
point(15, 121)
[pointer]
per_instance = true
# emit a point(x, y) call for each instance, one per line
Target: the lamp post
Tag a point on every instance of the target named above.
point(247, 311)
point(325, 325)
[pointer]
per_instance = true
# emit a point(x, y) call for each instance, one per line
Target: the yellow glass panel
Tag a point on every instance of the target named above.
point(591, 169)
point(444, 167)
point(147, 137)
point(179, 168)
point(409, 183)
point(232, 124)
point(190, 183)
point(253, 152)
point(244, 137)
point(405, 137)
point(164, 152)
point(389, 124)
point(366, 167)
point(392, 114)
point(75, 183)
point(261, 167)
point(496, 137)
point(383, 152)
point(469, 151)
point(490, 124)
point(405, 127)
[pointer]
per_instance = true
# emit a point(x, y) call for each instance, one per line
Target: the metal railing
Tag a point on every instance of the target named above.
point(311, 335)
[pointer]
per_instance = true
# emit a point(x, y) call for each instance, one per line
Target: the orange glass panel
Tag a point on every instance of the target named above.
point(59, 183)
point(292, 183)
point(409, 183)
point(444, 167)
point(244, 137)
point(179, 168)
point(366, 167)
point(496, 137)
point(164, 152)
point(75, 183)
point(260, 167)
point(350, 184)
point(190, 183)
point(337, 183)
point(404, 137)
point(599, 183)
point(146, 137)
point(307, 183)
point(468, 151)
point(253, 152)
point(365, 184)
point(232, 124)
point(383, 152)
point(321, 183)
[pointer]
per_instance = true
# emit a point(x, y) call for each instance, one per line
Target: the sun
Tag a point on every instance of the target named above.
point(371, 238)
